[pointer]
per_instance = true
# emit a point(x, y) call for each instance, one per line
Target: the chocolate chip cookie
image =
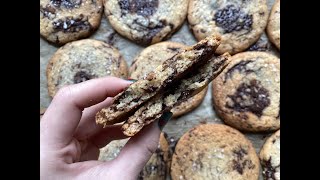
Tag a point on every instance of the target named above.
point(186, 88)
point(159, 80)
point(153, 56)
point(82, 60)
point(146, 22)
point(62, 21)
point(246, 95)
point(239, 23)
point(214, 151)
point(273, 27)
point(156, 167)
point(270, 157)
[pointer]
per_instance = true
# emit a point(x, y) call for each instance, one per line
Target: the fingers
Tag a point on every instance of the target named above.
point(88, 126)
point(140, 148)
point(63, 115)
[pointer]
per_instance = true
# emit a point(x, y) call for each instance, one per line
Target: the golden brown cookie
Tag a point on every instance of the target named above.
point(270, 157)
point(246, 95)
point(62, 21)
point(146, 22)
point(239, 23)
point(153, 56)
point(83, 60)
point(214, 151)
point(273, 27)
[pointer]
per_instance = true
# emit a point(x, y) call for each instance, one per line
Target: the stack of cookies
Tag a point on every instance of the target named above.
point(245, 88)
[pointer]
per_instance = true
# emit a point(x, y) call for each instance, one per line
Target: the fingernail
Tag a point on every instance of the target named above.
point(166, 116)
point(131, 80)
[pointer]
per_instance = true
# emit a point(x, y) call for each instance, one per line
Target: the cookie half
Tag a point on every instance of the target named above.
point(156, 167)
point(246, 95)
point(214, 151)
point(157, 81)
point(83, 60)
point(146, 22)
point(63, 21)
point(239, 23)
point(273, 27)
point(153, 56)
point(270, 157)
point(186, 88)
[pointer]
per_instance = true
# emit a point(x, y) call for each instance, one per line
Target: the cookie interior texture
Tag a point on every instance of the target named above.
point(239, 23)
point(156, 167)
point(66, 21)
point(153, 56)
point(165, 75)
point(270, 157)
point(214, 151)
point(273, 27)
point(246, 95)
point(192, 84)
point(83, 60)
point(146, 22)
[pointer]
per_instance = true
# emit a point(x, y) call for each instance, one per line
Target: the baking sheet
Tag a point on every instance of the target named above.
point(175, 127)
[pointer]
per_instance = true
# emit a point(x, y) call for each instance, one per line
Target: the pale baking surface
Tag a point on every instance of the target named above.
point(128, 49)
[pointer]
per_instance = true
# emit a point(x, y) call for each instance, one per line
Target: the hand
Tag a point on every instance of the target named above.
point(70, 139)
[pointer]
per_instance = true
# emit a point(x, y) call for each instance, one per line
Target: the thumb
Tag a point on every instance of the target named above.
point(137, 152)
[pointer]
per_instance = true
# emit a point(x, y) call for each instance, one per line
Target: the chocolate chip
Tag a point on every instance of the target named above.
point(81, 76)
point(71, 25)
point(142, 8)
point(69, 4)
point(241, 67)
point(251, 97)
point(48, 11)
point(232, 18)
point(240, 162)
point(268, 170)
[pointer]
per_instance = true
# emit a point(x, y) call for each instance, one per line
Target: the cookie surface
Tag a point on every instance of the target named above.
point(273, 27)
point(270, 157)
point(62, 21)
point(214, 151)
point(246, 95)
point(146, 22)
point(82, 60)
point(153, 56)
point(239, 23)
point(156, 167)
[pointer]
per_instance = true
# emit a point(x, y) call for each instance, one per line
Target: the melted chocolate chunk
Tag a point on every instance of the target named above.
point(151, 30)
point(142, 8)
point(69, 4)
point(240, 163)
point(48, 11)
point(241, 67)
point(231, 18)
point(81, 76)
point(268, 170)
point(71, 25)
point(251, 97)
